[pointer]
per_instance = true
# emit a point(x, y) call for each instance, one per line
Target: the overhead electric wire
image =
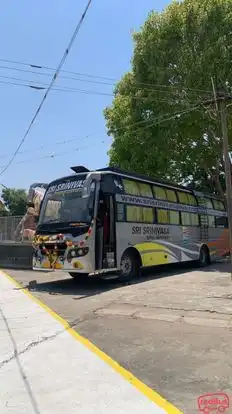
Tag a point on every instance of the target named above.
point(60, 88)
point(152, 122)
point(114, 80)
point(155, 121)
point(42, 147)
point(149, 87)
point(57, 71)
point(158, 120)
point(59, 154)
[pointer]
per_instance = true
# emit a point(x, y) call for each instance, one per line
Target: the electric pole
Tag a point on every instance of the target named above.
point(223, 113)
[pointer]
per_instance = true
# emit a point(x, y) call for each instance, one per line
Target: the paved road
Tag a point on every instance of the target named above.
point(172, 329)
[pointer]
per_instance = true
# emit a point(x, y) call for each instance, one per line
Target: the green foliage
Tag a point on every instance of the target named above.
point(3, 210)
point(15, 201)
point(176, 55)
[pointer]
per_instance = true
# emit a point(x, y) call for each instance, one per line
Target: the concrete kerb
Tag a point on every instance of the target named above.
point(15, 255)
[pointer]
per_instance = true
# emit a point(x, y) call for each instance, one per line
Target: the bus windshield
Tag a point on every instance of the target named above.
point(67, 202)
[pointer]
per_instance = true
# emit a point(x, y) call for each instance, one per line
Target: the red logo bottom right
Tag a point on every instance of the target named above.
point(213, 403)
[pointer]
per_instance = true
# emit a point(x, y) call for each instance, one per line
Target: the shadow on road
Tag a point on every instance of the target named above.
point(84, 288)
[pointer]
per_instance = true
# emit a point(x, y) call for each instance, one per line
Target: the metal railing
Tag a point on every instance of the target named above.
point(8, 226)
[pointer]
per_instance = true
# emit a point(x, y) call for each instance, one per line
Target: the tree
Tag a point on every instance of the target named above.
point(3, 210)
point(159, 119)
point(15, 201)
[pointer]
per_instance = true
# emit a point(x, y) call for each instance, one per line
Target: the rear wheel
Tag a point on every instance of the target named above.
point(129, 266)
point(204, 258)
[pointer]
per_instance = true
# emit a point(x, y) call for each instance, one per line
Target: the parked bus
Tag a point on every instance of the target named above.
point(94, 222)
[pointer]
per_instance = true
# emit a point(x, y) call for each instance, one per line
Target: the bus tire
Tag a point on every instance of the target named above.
point(80, 276)
point(204, 257)
point(130, 265)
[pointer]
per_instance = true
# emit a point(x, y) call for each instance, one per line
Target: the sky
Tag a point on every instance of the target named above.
point(70, 130)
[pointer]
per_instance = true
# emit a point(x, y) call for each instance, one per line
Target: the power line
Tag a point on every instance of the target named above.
point(110, 79)
point(59, 154)
point(144, 86)
point(39, 86)
point(154, 121)
point(64, 142)
point(159, 120)
point(62, 61)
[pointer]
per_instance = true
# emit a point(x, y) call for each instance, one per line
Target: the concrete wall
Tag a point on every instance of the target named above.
point(16, 255)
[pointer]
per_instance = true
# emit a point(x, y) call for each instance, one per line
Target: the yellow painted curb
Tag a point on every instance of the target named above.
point(143, 388)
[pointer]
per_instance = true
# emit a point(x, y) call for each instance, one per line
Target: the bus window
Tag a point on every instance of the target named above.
point(211, 221)
point(145, 190)
point(139, 214)
point(148, 215)
point(194, 218)
point(131, 187)
point(137, 188)
point(52, 210)
point(162, 216)
point(174, 217)
point(160, 193)
point(218, 205)
point(183, 197)
point(192, 200)
point(221, 222)
point(120, 212)
point(186, 219)
point(201, 201)
point(171, 195)
point(208, 203)
point(186, 198)
point(204, 220)
point(134, 214)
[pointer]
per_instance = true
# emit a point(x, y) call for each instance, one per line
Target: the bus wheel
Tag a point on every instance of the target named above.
point(80, 276)
point(130, 265)
point(204, 258)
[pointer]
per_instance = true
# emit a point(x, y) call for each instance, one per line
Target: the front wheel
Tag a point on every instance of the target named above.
point(204, 258)
point(129, 266)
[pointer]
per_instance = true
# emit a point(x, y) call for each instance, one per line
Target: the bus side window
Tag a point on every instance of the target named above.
point(218, 205)
point(186, 219)
point(162, 216)
point(160, 193)
point(171, 195)
point(174, 217)
point(211, 221)
point(221, 222)
point(183, 197)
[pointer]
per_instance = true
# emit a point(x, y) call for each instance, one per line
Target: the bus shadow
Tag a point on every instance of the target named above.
point(84, 288)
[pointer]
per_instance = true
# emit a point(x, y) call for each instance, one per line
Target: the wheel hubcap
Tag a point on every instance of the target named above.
point(126, 266)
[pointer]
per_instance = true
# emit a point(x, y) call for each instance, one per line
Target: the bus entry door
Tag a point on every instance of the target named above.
point(105, 234)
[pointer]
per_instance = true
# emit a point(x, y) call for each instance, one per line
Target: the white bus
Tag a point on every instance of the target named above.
point(94, 222)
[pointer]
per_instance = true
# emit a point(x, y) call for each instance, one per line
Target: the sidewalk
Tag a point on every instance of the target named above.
point(45, 367)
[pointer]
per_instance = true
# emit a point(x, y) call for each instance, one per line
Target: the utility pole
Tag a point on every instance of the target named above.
point(223, 113)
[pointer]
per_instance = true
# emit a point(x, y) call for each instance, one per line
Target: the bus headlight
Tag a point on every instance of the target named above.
point(82, 251)
point(77, 252)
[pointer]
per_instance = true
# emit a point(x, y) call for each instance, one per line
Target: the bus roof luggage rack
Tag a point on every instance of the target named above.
point(79, 169)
